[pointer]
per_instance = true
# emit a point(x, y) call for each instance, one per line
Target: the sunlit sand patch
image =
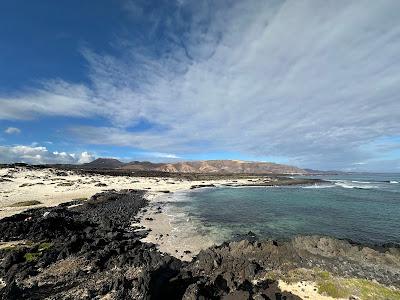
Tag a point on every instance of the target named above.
point(305, 290)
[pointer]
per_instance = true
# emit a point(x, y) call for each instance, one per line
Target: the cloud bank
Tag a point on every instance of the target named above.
point(40, 155)
point(314, 81)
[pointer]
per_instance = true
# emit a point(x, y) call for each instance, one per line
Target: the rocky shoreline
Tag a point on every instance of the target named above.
point(89, 250)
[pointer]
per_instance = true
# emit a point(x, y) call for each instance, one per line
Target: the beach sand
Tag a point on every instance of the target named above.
point(52, 187)
point(181, 241)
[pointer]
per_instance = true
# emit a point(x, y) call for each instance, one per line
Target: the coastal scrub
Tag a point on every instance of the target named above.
point(26, 203)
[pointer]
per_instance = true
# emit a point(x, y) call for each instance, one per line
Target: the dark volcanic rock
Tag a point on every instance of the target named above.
point(97, 234)
point(5, 180)
point(197, 186)
point(91, 251)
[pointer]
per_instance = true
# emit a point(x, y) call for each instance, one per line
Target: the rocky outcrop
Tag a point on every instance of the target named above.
point(251, 260)
point(89, 250)
point(83, 252)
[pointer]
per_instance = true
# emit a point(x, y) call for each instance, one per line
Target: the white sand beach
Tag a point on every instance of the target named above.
point(52, 187)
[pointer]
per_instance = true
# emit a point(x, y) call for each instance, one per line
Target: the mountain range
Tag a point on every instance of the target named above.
point(202, 166)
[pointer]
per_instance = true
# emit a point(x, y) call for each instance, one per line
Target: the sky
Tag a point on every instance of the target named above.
point(309, 83)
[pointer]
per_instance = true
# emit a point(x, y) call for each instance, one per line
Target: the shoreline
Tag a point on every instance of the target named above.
point(91, 248)
point(187, 242)
point(183, 244)
point(52, 187)
point(101, 247)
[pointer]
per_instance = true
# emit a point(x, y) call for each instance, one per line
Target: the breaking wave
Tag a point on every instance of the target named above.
point(319, 186)
point(353, 184)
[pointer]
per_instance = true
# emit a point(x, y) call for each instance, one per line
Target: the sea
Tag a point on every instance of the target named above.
point(364, 208)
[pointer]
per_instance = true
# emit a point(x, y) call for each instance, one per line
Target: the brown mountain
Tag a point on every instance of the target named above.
point(104, 163)
point(202, 166)
point(229, 166)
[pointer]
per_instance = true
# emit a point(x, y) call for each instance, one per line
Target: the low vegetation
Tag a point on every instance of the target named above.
point(9, 248)
point(26, 203)
point(339, 287)
point(44, 246)
point(32, 256)
point(80, 199)
point(331, 288)
point(362, 288)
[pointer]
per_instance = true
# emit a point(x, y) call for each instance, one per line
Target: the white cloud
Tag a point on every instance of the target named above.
point(84, 157)
point(12, 130)
point(41, 155)
point(159, 155)
point(56, 98)
point(310, 80)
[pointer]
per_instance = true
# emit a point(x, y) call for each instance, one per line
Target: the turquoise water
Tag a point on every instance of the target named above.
point(363, 208)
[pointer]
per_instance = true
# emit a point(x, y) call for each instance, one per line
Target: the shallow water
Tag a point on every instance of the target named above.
point(363, 208)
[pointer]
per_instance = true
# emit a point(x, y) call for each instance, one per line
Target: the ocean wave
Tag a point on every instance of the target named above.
point(351, 185)
point(318, 186)
point(356, 181)
point(370, 181)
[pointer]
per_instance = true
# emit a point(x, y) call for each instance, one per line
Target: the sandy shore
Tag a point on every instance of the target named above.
point(180, 240)
point(52, 187)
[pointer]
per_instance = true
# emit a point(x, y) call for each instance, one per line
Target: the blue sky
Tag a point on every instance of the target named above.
point(310, 83)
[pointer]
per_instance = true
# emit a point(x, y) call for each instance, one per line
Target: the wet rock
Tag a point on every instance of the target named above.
point(197, 186)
